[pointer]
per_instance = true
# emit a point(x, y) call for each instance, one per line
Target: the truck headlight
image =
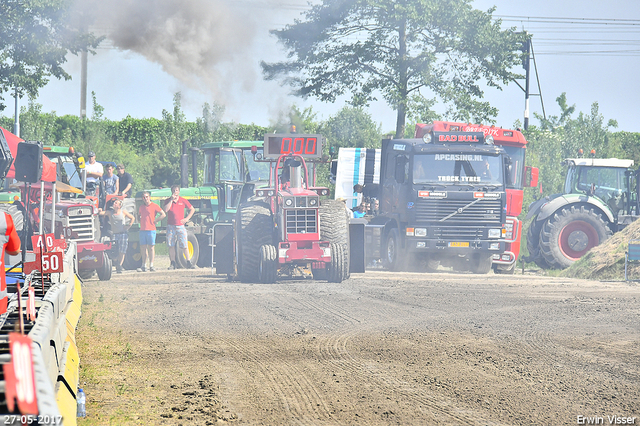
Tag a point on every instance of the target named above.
point(421, 232)
point(494, 246)
point(495, 233)
point(288, 202)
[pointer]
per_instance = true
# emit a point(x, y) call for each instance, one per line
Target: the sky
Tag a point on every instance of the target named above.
point(210, 51)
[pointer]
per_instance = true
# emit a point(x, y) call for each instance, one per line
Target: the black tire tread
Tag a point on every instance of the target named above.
point(533, 243)
point(555, 223)
point(337, 268)
point(255, 226)
point(268, 259)
point(334, 226)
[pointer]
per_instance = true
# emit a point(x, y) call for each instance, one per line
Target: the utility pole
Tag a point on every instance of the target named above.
point(83, 84)
point(16, 119)
point(526, 48)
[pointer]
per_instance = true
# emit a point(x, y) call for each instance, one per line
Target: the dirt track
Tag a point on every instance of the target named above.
point(176, 347)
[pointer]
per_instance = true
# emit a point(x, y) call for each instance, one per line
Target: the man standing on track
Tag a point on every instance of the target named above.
point(148, 213)
point(174, 206)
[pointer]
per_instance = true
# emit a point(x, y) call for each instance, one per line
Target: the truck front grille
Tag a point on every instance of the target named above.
point(459, 233)
point(301, 221)
point(483, 212)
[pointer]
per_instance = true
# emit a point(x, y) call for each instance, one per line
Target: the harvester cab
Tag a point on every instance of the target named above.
point(284, 229)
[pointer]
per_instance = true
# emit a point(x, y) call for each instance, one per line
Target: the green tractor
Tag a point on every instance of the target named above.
point(230, 177)
point(601, 196)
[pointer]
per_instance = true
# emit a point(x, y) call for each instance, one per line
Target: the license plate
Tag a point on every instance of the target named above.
point(459, 244)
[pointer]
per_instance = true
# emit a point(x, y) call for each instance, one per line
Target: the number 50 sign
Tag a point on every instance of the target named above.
point(51, 262)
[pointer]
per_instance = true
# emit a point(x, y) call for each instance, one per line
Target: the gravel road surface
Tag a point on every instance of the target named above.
point(186, 347)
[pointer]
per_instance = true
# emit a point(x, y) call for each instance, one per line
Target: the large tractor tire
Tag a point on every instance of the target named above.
point(16, 215)
point(133, 258)
point(86, 274)
point(334, 226)
point(254, 224)
point(480, 263)
point(337, 270)
point(533, 243)
point(193, 250)
point(392, 258)
point(570, 233)
point(268, 269)
point(104, 272)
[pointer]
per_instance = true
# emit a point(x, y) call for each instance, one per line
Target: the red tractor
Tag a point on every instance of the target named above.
point(285, 229)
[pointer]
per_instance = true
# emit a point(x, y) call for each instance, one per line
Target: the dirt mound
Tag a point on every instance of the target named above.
point(606, 261)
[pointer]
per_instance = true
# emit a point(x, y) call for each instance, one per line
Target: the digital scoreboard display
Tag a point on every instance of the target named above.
point(306, 146)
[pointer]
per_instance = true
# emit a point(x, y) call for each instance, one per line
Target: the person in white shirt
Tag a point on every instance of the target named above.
point(94, 173)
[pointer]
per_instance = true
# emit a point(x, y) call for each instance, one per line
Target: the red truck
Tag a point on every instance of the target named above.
point(515, 145)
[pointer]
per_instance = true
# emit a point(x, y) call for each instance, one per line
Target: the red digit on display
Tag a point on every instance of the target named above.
point(298, 149)
point(310, 150)
point(287, 149)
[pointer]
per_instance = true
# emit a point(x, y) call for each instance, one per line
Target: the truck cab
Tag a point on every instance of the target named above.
point(442, 201)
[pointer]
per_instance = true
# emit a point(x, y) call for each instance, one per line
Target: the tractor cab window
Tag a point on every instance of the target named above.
point(604, 178)
point(70, 174)
point(607, 183)
point(231, 166)
point(223, 165)
point(256, 171)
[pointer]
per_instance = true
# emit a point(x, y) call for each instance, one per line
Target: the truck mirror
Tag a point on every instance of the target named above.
point(509, 178)
point(531, 176)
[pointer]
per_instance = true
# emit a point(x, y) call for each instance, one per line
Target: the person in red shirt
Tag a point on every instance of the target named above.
point(174, 206)
point(148, 215)
point(10, 244)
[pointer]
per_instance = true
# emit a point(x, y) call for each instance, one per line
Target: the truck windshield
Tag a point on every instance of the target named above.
point(457, 168)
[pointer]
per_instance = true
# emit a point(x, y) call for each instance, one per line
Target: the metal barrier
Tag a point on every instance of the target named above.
point(55, 355)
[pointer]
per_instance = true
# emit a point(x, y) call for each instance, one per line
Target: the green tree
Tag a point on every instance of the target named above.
point(397, 48)
point(561, 137)
point(35, 37)
point(352, 127)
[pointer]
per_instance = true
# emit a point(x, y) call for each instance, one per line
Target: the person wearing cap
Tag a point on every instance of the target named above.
point(94, 172)
point(125, 181)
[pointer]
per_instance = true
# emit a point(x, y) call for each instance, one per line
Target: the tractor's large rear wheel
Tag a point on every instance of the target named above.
point(193, 251)
point(570, 233)
point(533, 243)
point(268, 269)
point(133, 257)
point(254, 229)
point(334, 227)
point(104, 272)
point(337, 270)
